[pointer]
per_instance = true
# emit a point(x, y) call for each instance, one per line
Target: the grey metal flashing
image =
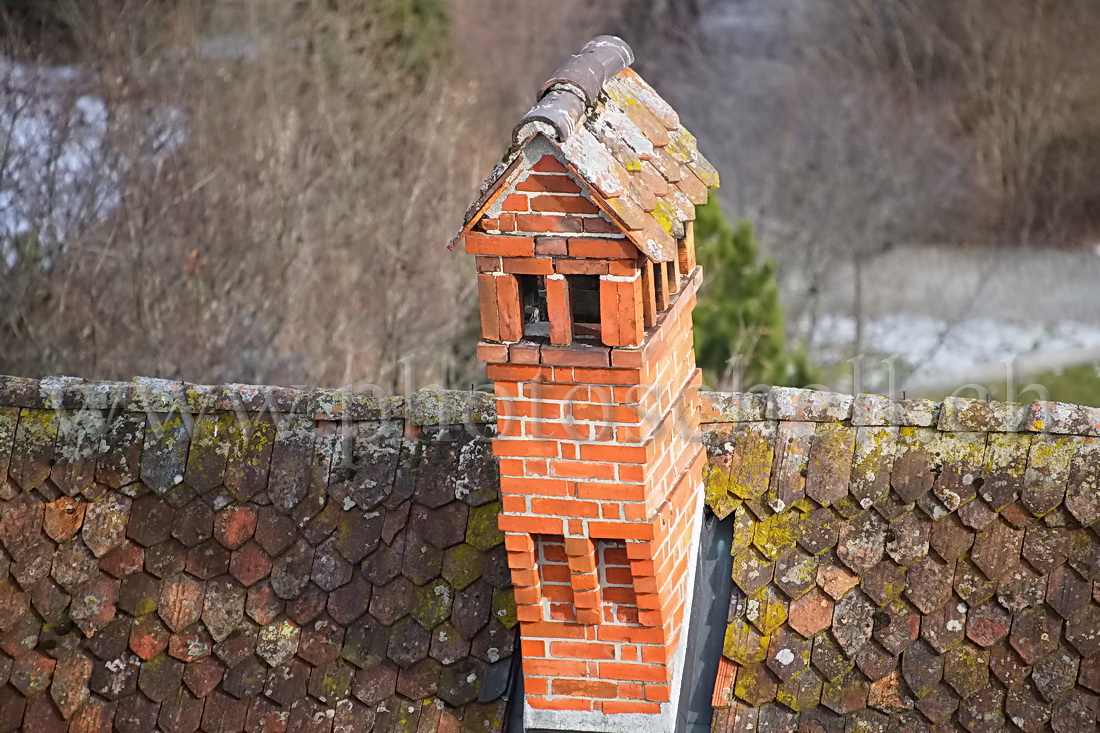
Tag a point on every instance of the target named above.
point(707, 625)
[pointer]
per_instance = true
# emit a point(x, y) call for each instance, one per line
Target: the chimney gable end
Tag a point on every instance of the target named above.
point(610, 129)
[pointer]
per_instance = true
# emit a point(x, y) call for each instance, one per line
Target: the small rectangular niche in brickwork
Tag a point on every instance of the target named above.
point(672, 277)
point(616, 582)
point(553, 568)
point(660, 286)
point(685, 249)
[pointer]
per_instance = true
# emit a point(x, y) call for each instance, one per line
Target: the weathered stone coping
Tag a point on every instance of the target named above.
point(454, 407)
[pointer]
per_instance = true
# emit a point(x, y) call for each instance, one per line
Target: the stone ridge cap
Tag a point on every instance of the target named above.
point(954, 414)
point(426, 407)
point(452, 407)
point(574, 88)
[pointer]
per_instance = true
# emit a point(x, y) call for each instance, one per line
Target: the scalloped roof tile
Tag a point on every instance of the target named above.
point(219, 591)
point(956, 555)
point(896, 562)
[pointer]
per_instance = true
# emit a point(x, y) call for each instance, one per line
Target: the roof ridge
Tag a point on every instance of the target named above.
point(952, 414)
point(425, 407)
point(447, 407)
point(573, 89)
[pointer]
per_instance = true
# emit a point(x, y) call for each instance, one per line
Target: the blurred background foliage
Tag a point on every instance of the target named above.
point(282, 174)
point(740, 333)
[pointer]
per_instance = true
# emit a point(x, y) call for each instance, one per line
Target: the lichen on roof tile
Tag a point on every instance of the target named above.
point(962, 597)
point(188, 585)
point(960, 552)
point(809, 405)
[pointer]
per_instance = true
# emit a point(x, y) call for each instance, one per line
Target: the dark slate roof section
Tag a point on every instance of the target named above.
point(907, 565)
point(177, 557)
point(622, 140)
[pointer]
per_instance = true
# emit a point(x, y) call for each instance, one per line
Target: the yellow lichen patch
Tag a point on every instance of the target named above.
point(481, 530)
point(667, 217)
point(9, 419)
point(165, 426)
point(504, 607)
point(777, 534)
point(683, 146)
point(801, 693)
point(751, 570)
point(1047, 471)
point(34, 443)
point(847, 507)
point(627, 212)
point(227, 436)
point(481, 718)
point(462, 565)
point(966, 668)
point(750, 474)
point(961, 448)
point(405, 719)
point(830, 462)
point(277, 642)
point(432, 604)
point(618, 94)
point(744, 644)
point(744, 525)
point(796, 574)
point(1049, 457)
point(754, 685)
point(803, 506)
point(874, 455)
point(715, 486)
point(766, 610)
point(1006, 453)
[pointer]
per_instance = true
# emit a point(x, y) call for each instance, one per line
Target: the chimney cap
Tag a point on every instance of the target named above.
point(601, 59)
point(575, 86)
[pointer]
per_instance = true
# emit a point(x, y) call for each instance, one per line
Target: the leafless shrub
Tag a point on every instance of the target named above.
point(281, 195)
point(833, 164)
point(1016, 76)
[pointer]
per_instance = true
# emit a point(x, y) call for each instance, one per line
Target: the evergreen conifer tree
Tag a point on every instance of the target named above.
point(739, 334)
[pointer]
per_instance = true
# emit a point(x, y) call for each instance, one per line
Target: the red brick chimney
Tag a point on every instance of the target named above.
point(587, 280)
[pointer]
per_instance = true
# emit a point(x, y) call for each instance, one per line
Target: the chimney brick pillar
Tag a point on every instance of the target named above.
point(601, 475)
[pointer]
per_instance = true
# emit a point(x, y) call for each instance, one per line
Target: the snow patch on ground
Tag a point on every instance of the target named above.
point(933, 347)
point(60, 171)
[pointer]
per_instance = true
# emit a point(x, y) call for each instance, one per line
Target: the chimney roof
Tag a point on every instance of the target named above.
point(576, 86)
point(618, 137)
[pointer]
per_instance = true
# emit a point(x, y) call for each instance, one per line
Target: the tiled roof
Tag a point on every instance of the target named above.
point(622, 140)
point(179, 557)
point(907, 564)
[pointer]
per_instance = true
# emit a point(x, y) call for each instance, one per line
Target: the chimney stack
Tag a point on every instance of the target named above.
point(587, 280)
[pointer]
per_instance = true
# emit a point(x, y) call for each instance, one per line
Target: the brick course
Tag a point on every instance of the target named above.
point(600, 461)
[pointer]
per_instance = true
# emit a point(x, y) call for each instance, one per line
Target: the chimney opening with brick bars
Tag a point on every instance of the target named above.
point(536, 320)
point(587, 279)
point(584, 300)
